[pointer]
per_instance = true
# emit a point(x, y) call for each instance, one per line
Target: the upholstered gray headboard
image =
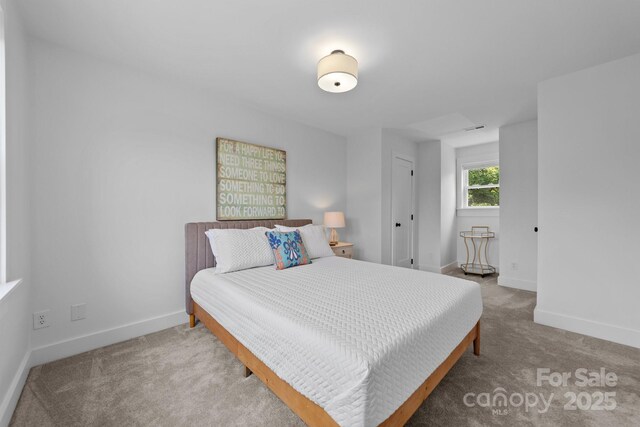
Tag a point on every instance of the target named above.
point(198, 253)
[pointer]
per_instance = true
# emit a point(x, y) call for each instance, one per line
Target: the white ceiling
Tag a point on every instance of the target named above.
point(420, 61)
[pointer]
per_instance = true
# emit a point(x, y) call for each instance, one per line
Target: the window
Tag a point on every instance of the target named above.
point(480, 185)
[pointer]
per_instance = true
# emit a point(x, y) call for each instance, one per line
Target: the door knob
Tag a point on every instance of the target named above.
point(398, 224)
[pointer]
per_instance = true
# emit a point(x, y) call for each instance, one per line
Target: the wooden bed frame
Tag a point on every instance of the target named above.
point(312, 414)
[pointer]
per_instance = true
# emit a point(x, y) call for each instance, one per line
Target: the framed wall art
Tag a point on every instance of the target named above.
point(251, 181)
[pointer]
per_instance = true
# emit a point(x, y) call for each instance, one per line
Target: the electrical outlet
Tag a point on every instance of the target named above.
point(41, 319)
point(78, 311)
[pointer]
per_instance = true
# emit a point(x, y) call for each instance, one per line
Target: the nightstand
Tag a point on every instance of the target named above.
point(343, 249)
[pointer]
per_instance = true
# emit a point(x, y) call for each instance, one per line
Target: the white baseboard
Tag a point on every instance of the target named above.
point(76, 345)
point(605, 331)
point(449, 267)
point(437, 269)
point(525, 285)
point(8, 404)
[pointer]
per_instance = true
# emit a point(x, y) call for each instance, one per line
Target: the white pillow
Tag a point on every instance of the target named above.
point(212, 242)
point(314, 238)
point(237, 249)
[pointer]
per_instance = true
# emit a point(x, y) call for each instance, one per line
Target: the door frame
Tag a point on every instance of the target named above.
point(408, 158)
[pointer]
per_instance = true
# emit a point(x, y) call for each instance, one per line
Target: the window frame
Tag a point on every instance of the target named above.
point(464, 165)
point(3, 155)
point(6, 287)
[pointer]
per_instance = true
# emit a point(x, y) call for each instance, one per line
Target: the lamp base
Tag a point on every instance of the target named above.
point(333, 237)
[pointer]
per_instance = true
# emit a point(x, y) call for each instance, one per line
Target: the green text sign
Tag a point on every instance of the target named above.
point(251, 181)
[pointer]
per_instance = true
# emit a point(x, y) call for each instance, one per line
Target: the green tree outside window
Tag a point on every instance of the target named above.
point(483, 187)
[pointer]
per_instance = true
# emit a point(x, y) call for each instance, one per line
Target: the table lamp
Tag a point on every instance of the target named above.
point(334, 220)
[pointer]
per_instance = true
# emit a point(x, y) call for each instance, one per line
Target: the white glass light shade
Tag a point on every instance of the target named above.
point(334, 219)
point(337, 72)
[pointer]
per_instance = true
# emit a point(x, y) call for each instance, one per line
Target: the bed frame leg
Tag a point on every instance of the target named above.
point(476, 341)
point(192, 320)
point(247, 372)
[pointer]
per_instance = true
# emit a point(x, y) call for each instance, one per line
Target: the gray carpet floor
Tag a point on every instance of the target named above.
point(185, 377)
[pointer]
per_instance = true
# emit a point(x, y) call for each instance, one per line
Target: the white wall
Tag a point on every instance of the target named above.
point(15, 307)
point(588, 245)
point(364, 194)
point(490, 151)
point(121, 160)
point(464, 223)
point(394, 144)
point(437, 205)
point(519, 205)
point(448, 235)
point(14, 337)
point(429, 205)
point(369, 159)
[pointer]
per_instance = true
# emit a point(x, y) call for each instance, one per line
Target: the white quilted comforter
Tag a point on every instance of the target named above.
point(356, 338)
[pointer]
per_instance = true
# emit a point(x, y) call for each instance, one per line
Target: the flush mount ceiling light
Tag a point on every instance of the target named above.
point(337, 72)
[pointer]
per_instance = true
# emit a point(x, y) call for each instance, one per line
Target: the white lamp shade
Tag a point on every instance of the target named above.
point(337, 72)
point(334, 219)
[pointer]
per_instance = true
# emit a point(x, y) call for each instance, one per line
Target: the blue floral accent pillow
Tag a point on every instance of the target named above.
point(288, 249)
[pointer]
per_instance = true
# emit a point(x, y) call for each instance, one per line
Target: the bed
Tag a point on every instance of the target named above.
point(335, 340)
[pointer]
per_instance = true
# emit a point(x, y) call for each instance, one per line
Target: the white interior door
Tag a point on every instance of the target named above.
point(402, 212)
